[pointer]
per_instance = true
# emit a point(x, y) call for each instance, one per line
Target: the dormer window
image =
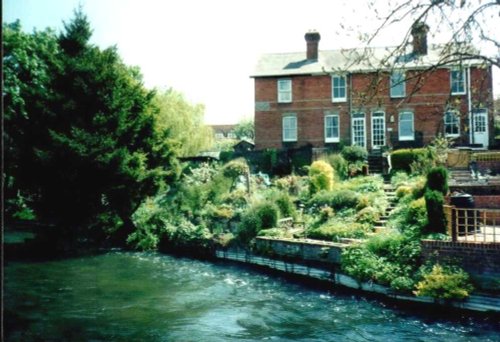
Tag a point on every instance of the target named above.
point(284, 91)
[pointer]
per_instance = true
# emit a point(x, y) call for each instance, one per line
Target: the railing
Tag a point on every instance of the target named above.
point(486, 156)
point(473, 225)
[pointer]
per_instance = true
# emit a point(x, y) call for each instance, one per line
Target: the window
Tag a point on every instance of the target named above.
point(331, 128)
point(284, 91)
point(457, 81)
point(219, 135)
point(406, 126)
point(398, 88)
point(290, 128)
point(338, 88)
point(358, 129)
point(378, 129)
point(231, 135)
point(451, 124)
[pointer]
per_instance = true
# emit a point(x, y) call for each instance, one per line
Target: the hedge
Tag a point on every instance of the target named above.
point(401, 160)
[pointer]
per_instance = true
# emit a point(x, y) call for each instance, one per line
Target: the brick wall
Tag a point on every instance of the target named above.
point(427, 97)
point(476, 258)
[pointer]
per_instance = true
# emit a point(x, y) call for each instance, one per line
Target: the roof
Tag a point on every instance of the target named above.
point(353, 60)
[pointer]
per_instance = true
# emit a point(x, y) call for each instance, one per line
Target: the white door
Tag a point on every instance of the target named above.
point(480, 127)
point(358, 129)
point(378, 129)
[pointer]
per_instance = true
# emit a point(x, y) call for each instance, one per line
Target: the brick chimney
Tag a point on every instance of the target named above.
point(419, 32)
point(312, 39)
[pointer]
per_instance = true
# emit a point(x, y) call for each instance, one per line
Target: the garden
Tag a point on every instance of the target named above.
point(226, 205)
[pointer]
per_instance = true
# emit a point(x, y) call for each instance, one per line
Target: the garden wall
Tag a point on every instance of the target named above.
point(478, 259)
point(307, 250)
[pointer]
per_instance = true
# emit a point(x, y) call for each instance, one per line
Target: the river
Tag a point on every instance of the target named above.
point(122, 296)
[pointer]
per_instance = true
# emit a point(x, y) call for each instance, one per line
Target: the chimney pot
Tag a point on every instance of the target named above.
point(312, 40)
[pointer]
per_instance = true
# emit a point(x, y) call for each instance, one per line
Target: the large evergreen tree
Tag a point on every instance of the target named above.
point(99, 149)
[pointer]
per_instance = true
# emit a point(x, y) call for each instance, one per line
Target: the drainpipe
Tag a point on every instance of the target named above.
point(350, 106)
point(469, 108)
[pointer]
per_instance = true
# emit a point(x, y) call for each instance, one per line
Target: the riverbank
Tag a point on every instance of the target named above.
point(331, 274)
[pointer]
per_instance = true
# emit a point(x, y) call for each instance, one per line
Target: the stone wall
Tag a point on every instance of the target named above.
point(303, 249)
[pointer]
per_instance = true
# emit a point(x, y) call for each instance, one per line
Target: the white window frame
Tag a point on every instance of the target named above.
point(344, 87)
point(407, 137)
point(284, 90)
point(454, 81)
point(358, 116)
point(332, 139)
point(286, 120)
point(456, 123)
point(379, 114)
point(396, 84)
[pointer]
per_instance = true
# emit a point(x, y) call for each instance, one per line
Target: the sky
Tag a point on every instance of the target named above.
point(208, 49)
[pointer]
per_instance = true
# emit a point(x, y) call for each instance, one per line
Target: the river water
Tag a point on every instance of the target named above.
point(121, 296)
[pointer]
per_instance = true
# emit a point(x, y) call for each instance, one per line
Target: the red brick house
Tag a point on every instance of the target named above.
point(376, 97)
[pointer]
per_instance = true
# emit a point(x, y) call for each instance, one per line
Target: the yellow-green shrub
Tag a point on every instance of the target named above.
point(444, 283)
point(320, 176)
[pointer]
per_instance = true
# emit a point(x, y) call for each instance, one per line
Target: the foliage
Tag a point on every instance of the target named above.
point(434, 202)
point(444, 283)
point(234, 169)
point(184, 234)
point(389, 259)
point(92, 131)
point(333, 230)
point(354, 153)
point(245, 130)
point(260, 215)
point(401, 160)
point(339, 164)
point(320, 176)
point(437, 179)
point(410, 217)
point(184, 121)
point(284, 203)
point(368, 215)
point(275, 232)
point(291, 184)
point(338, 199)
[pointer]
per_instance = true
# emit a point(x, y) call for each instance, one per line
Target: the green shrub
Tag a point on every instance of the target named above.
point(184, 234)
point(401, 160)
point(257, 217)
point(436, 219)
point(274, 232)
point(403, 284)
point(338, 199)
point(285, 205)
point(444, 283)
point(354, 153)
point(403, 190)
point(437, 179)
point(339, 164)
point(226, 156)
point(320, 176)
point(359, 263)
point(368, 215)
point(334, 230)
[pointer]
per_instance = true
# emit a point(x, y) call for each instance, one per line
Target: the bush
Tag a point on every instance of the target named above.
point(183, 234)
point(259, 216)
point(285, 205)
point(320, 176)
point(274, 232)
point(436, 220)
point(368, 215)
point(401, 160)
point(339, 165)
point(444, 283)
point(335, 230)
point(437, 179)
point(338, 199)
point(354, 153)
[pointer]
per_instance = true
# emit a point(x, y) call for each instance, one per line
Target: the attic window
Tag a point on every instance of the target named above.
point(285, 91)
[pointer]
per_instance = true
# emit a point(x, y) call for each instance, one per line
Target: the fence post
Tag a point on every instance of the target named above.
point(448, 213)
